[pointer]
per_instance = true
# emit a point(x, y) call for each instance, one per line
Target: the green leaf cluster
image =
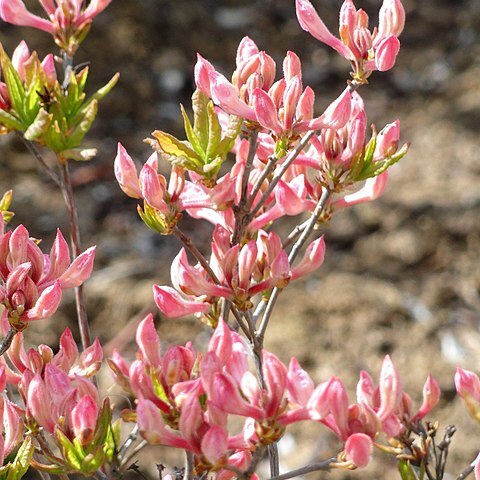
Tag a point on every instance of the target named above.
point(409, 472)
point(5, 203)
point(50, 114)
point(364, 166)
point(16, 469)
point(207, 146)
point(86, 459)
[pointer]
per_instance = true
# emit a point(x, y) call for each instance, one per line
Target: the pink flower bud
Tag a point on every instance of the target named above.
point(431, 395)
point(147, 341)
point(337, 113)
point(390, 388)
point(275, 375)
point(153, 189)
point(91, 359)
point(18, 246)
point(246, 49)
point(79, 271)
point(371, 190)
point(265, 111)
point(13, 427)
point(290, 101)
point(312, 23)
point(391, 19)
point(47, 304)
point(172, 305)
point(15, 12)
point(467, 384)
point(386, 53)
point(48, 65)
point(68, 353)
point(318, 404)
point(59, 257)
point(313, 259)
point(387, 141)
point(359, 448)
point(221, 342)
point(94, 8)
point(202, 74)
point(126, 173)
point(39, 403)
point(299, 384)
point(152, 426)
point(84, 419)
point(225, 96)
point(214, 445)
point(292, 66)
point(19, 58)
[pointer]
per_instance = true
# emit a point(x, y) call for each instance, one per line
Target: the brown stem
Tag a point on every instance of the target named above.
point(242, 217)
point(67, 192)
point(32, 148)
point(7, 341)
point(314, 467)
point(188, 475)
point(467, 471)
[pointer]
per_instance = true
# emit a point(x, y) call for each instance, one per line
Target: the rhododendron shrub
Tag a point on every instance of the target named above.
point(255, 150)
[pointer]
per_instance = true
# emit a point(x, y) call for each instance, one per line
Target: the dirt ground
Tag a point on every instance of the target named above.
point(401, 275)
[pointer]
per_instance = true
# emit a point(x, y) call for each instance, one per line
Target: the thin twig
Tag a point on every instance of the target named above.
point(67, 191)
point(467, 471)
point(188, 474)
point(272, 161)
point(292, 256)
point(7, 341)
point(129, 457)
point(294, 234)
point(274, 460)
point(314, 467)
point(129, 441)
point(32, 148)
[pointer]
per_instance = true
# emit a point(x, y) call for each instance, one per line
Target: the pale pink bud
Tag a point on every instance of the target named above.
point(39, 403)
point(467, 383)
point(386, 53)
point(94, 8)
point(372, 189)
point(292, 66)
point(147, 340)
point(152, 426)
point(68, 353)
point(59, 256)
point(47, 304)
point(214, 444)
point(225, 96)
point(299, 383)
point(13, 427)
point(79, 271)
point(359, 448)
point(191, 418)
point(19, 58)
point(305, 105)
point(265, 111)
point(338, 401)
point(246, 49)
point(387, 141)
point(312, 23)
point(275, 375)
point(202, 74)
point(313, 259)
point(126, 173)
point(227, 398)
point(18, 245)
point(390, 388)
point(58, 383)
point(391, 18)
point(365, 389)
point(318, 404)
point(267, 70)
point(153, 189)
point(16, 277)
point(290, 101)
point(337, 113)
point(91, 358)
point(84, 419)
point(221, 342)
point(431, 395)
point(172, 305)
point(246, 263)
point(15, 12)
point(48, 65)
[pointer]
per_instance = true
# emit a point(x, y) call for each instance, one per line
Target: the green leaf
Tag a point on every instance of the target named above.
point(103, 425)
point(82, 127)
point(101, 92)
point(406, 470)
point(79, 154)
point(69, 451)
point(21, 463)
point(232, 132)
point(93, 461)
point(39, 126)
point(14, 86)
point(200, 117)
point(214, 130)
point(10, 121)
point(177, 152)
point(6, 200)
point(191, 135)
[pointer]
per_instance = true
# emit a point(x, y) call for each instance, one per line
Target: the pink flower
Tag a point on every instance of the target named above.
point(366, 50)
point(67, 22)
point(358, 449)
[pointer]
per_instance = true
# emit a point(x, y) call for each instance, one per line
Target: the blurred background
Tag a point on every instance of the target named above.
point(402, 275)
